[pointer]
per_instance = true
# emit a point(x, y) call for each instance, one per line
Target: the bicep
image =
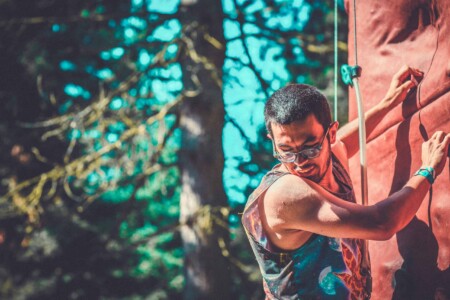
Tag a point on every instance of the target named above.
point(297, 204)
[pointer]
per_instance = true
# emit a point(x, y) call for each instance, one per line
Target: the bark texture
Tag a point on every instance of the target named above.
point(201, 156)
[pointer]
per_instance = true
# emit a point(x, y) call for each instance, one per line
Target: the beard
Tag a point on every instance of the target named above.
point(317, 178)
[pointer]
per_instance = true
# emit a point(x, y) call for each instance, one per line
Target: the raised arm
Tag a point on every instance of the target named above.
point(405, 79)
point(293, 203)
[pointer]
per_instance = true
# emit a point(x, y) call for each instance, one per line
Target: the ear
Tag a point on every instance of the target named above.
point(333, 131)
point(269, 136)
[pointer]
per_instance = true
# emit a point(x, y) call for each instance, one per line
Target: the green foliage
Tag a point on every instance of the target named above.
point(270, 44)
point(90, 172)
point(100, 230)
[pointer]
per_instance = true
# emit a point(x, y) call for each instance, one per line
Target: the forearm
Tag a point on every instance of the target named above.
point(399, 208)
point(348, 134)
point(405, 79)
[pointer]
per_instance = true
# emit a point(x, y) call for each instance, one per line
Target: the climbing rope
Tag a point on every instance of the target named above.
point(350, 76)
point(355, 42)
point(335, 106)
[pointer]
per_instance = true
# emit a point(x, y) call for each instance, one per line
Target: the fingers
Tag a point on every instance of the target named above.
point(403, 73)
point(441, 140)
point(400, 85)
point(408, 85)
point(416, 72)
point(407, 71)
point(435, 151)
point(439, 136)
point(446, 141)
point(447, 138)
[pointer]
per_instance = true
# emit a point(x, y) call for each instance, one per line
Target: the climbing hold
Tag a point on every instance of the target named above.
point(350, 72)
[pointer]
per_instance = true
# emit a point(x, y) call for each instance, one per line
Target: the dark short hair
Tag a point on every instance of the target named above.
point(295, 102)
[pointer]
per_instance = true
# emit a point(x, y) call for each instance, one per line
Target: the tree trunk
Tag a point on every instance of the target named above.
point(201, 155)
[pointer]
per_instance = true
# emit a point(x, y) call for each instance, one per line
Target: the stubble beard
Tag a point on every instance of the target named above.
point(319, 177)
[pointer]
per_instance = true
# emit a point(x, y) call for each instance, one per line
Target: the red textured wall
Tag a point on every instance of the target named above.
point(414, 264)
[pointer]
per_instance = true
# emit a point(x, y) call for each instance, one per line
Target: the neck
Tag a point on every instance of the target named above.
point(328, 181)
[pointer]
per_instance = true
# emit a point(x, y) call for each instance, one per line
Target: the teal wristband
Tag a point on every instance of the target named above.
point(427, 172)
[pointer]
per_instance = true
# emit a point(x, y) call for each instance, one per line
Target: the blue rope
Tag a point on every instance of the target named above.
point(335, 107)
point(354, 33)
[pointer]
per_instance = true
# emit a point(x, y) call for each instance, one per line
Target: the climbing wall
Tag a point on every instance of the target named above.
point(414, 264)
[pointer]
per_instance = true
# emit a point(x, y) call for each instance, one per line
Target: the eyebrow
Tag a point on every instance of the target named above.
point(309, 139)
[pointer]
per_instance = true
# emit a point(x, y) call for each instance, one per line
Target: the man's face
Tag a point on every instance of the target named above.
point(301, 135)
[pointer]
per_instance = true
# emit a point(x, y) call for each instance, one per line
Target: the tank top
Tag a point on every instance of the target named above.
point(322, 268)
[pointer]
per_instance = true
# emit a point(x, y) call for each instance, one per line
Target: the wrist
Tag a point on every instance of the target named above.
point(428, 172)
point(385, 105)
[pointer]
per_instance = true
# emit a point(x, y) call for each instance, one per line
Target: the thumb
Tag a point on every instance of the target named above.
point(446, 142)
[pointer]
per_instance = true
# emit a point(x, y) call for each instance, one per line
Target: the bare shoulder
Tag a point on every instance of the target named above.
point(288, 199)
point(287, 188)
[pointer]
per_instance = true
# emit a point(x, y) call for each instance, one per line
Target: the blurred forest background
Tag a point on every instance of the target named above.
point(132, 133)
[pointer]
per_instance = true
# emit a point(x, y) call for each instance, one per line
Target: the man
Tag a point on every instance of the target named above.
point(303, 222)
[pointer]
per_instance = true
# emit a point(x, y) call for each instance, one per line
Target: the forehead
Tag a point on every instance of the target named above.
point(298, 132)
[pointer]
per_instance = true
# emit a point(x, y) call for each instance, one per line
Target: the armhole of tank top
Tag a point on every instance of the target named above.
point(277, 251)
point(342, 176)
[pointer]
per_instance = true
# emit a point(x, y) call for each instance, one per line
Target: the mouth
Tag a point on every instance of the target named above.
point(304, 170)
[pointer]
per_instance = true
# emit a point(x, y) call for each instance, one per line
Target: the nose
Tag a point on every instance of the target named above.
point(299, 159)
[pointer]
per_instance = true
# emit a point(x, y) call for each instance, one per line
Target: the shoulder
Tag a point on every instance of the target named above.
point(290, 198)
point(286, 187)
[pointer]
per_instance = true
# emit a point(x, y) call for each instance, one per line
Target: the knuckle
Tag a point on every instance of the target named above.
point(438, 133)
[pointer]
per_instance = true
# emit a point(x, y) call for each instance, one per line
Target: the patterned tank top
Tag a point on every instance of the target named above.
point(322, 268)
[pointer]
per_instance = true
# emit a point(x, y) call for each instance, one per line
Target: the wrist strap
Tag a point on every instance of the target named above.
point(427, 172)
